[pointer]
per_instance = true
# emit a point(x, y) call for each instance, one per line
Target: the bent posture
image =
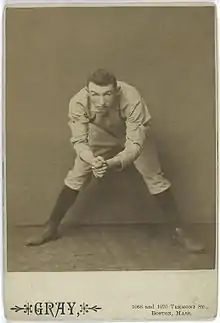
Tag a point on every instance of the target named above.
point(110, 126)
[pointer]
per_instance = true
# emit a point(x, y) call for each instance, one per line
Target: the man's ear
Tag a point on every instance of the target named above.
point(118, 88)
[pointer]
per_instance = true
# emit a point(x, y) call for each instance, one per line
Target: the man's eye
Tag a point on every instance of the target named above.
point(94, 94)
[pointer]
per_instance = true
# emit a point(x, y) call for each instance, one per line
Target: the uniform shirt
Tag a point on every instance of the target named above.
point(124, 124)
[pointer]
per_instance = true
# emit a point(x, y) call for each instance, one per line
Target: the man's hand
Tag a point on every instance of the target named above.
point(99, 167)
point(97, 162)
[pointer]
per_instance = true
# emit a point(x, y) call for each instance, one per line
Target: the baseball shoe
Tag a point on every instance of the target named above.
point(49, 234)
point(187, 243)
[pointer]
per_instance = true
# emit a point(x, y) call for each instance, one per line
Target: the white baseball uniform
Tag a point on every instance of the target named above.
point(121, 133)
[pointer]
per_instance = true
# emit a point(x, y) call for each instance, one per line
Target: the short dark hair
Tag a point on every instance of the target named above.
point(102, 77)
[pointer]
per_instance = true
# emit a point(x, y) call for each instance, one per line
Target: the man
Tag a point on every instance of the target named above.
point(110, 125)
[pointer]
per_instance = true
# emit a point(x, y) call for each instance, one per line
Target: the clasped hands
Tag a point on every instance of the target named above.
point(99, 167)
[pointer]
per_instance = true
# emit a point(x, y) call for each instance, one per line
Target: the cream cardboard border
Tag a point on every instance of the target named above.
point(115, 293)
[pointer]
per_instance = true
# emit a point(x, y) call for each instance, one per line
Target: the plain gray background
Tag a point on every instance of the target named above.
point(167, 53)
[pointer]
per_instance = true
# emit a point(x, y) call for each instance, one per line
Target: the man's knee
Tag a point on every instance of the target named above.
point(79, 175)
point(157, 183)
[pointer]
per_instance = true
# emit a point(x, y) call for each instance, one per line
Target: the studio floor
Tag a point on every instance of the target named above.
point(109, 247)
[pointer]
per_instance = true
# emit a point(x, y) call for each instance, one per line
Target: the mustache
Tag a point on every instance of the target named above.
point(100, 107)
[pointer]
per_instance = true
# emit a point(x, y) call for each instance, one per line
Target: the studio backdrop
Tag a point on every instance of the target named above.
point(167, 53)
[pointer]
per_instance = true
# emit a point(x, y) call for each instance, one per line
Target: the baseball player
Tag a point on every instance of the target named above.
point(110, 130)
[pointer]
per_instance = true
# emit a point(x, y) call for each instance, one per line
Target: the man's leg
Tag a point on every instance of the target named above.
point(149, 167)
point(75, 179)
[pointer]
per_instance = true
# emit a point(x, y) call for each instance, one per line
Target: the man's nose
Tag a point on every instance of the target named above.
point(102, 100)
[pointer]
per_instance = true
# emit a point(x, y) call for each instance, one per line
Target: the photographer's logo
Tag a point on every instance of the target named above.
point(56, 309)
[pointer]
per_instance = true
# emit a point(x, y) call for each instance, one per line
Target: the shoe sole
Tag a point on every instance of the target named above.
point(36, 244)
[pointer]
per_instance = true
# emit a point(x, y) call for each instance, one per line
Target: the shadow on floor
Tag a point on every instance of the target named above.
point(109, 247)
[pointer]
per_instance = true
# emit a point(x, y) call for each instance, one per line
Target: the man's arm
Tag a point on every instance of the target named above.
point(78, 122)
point(138, 123)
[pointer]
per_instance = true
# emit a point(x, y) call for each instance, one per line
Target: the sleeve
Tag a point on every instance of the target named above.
point(138, 122)
point(78, 123)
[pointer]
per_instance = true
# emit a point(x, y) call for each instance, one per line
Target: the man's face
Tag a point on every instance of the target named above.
point(102, 97)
